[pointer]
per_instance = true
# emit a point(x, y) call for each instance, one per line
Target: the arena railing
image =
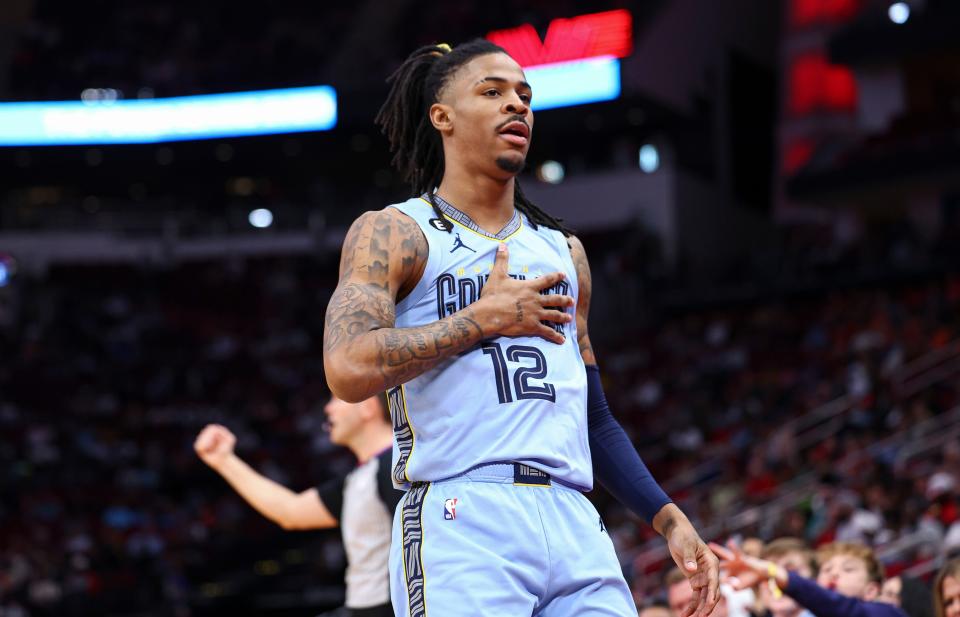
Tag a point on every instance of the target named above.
point(826, 420)
point(926, 370)
point(911, 441)
point(812, 428)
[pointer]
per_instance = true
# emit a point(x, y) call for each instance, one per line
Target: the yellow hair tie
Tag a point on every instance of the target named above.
point(446, 48)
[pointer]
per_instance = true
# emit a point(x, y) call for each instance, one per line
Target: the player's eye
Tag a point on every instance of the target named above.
point(492, 92)
point(525, 98)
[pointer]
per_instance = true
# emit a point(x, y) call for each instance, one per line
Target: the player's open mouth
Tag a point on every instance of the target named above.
point(516, 133)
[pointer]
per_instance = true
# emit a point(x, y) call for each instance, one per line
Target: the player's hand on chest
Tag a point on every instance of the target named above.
point(514, 307)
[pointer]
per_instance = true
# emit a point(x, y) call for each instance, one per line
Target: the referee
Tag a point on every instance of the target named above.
point(362, 503)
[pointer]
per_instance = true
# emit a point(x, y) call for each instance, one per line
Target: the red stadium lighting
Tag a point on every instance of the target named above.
point(804, 13)
point(797, 154)
point(817, 85)
point(587, 36)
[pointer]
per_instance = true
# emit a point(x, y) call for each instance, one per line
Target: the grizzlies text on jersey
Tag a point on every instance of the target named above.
point(519, 399)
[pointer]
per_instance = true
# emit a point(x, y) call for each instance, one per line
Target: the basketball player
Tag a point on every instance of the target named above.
point(469, 305)
point(362, 503)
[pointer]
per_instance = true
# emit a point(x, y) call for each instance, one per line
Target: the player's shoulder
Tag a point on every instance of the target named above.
point(576, 247)
point(393, 216)
point(580, 263)
point(391, 233)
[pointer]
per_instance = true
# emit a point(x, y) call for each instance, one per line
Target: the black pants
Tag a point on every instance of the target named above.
point(381, 610)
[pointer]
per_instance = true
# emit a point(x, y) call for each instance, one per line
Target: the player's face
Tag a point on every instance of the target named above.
point(847, 575)
point(491, 125)
point(951, 597)
point(343, 419)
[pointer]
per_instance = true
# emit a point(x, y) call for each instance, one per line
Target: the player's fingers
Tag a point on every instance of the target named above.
point(699, 580)
point(713, 582)
point(556, 300)
point(501, 261)
point(703, 603)
point(548, 280)
point(697, 602)
point(550, 334)
point(556, 316)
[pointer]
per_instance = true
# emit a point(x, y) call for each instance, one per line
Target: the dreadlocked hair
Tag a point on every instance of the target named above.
point(416, 145)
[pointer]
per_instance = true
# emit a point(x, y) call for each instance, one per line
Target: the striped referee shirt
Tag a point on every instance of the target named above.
point(364, 502)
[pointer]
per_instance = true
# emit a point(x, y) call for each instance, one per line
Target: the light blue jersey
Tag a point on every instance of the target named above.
point(520, 399)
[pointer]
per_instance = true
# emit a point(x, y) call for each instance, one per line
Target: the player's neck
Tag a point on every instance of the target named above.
point(371, 441)
point(488, 201)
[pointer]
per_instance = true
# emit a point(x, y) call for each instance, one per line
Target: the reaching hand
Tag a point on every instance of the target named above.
point(743, 571)
point(214, 444)
point(700, 566)
point(518, 307)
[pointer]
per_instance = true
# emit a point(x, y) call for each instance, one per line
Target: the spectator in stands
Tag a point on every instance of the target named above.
point(847, 585)
point(679, 598)
point(910, 594)
point(752, 546)
point(946, 590)
point(793, 555)
point(362, 503)
point(655, 609)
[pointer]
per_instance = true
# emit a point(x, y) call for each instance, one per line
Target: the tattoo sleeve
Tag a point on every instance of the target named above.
point(585, 289)
point(384, 255)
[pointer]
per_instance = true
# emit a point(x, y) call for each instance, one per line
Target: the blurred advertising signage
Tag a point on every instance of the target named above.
point(237, 114)
point(576, 62)
point(816, 85)
point(804, 13)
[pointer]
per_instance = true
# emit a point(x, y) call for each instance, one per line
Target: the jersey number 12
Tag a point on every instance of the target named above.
point(523, 376)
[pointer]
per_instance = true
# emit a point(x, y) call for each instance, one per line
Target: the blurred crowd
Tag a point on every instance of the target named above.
point(801, 418)
point(148, 48)
point(157, 48)
point(813, 400)
point(107, 376)
point(110, 372)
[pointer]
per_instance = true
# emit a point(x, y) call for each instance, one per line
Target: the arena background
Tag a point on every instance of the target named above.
point(770, 201)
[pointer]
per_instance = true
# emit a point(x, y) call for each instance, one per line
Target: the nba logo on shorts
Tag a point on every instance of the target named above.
point(450, 509)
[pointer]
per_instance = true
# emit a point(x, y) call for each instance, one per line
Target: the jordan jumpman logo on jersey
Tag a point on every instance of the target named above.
point(458, 243)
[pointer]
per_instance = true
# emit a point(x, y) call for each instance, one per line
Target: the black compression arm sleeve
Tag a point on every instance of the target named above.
point(616, 463)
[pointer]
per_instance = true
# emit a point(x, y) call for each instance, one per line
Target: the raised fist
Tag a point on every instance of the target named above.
point(214, 444)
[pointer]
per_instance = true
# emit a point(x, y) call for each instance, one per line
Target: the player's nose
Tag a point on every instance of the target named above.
point(515, 105)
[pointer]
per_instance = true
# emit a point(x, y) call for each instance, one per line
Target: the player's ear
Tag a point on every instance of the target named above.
point(441, 116)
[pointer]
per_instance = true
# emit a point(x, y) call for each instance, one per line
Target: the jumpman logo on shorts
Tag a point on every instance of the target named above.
point(458, 243)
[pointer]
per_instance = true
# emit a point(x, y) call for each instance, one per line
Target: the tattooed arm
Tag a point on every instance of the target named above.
point(384, 256)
